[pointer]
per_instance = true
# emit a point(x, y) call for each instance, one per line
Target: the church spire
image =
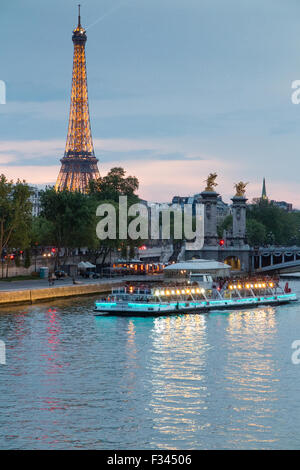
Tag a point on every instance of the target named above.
point(264, 191)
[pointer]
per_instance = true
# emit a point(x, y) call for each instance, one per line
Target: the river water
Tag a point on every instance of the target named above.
point(216, 381)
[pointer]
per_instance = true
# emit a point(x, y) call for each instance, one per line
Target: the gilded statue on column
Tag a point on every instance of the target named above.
point(211, 182)
point(240, 189)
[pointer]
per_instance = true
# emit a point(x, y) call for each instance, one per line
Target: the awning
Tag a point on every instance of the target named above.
point(85, 265)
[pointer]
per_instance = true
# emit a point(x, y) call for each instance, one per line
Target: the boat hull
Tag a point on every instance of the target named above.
point(151, 310)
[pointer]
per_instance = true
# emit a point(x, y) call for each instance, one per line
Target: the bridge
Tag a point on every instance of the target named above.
point(275, 259)
point(272, 259)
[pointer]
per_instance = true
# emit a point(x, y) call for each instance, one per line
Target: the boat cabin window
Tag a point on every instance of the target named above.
point(200, 277)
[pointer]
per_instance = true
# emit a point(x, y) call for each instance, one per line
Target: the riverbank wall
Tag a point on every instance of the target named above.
point(32, 296)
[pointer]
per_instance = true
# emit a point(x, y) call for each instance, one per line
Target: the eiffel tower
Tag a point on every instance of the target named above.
point(79, 164)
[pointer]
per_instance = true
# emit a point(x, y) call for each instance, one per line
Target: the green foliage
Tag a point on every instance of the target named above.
point(68, 219)
point(108, 190)
point(15, 214)
point(41, 231)
point(256, 232)
point(115, 184)
point(281, 227)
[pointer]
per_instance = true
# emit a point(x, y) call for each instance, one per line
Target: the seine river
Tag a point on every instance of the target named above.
point(217, 381)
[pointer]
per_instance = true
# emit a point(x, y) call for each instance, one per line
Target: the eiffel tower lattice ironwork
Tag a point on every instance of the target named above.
point(79, 164)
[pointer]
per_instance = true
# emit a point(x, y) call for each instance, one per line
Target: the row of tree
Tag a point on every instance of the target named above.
point(268, 224)
point(67, 219)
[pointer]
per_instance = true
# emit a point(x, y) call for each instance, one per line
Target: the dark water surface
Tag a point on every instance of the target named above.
point(223, 380)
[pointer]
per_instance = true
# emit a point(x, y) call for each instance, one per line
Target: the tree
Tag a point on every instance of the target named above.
point(72, 218)
point(108, 189)
point(115, 184)
point(15, 214)
point(256, 232)
point(41, 232)
point(282, 228)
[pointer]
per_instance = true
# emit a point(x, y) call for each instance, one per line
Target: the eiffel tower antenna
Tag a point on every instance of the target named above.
point(79, 164)
point(79, 19)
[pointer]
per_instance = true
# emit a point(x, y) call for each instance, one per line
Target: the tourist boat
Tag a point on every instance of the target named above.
point(192, 298)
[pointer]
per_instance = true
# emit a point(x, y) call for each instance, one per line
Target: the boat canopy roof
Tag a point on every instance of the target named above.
point(198, 265)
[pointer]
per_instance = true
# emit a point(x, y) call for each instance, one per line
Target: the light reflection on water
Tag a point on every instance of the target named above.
point(223, 380)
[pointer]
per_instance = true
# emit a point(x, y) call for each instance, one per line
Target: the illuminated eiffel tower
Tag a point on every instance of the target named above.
point(79, 164)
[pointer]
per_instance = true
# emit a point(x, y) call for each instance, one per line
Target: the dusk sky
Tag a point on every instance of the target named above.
point(177, 89)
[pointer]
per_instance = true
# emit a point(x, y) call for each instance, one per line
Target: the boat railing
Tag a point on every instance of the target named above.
point(234, 290)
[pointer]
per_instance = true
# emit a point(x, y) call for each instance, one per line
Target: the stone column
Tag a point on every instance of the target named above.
point(239, 220)
point(209, 199)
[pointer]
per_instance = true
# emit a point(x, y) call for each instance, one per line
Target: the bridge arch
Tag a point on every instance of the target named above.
point(234, 262)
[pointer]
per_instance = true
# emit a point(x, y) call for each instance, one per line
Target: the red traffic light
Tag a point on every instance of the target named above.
point(222, 242)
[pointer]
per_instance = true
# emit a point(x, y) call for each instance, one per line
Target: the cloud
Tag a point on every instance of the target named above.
point(41, 153)
point(164, 167)
point(32, 174)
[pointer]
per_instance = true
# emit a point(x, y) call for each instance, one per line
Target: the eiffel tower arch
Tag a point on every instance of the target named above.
point(79, 164)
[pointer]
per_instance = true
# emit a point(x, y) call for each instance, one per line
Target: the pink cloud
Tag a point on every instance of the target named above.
point(159, 179)
point(32, 174)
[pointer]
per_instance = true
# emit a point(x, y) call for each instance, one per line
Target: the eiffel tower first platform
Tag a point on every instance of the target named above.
point(79, 164)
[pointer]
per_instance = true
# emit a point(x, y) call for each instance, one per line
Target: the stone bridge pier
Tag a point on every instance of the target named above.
point(235, 251)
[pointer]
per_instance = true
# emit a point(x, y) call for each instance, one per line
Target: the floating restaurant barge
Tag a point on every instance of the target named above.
point(196, 297)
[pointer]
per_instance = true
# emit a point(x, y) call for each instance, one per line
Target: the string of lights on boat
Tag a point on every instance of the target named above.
point(168, 292)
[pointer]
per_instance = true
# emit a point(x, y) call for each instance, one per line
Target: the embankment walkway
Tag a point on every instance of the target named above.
point(34, 291)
